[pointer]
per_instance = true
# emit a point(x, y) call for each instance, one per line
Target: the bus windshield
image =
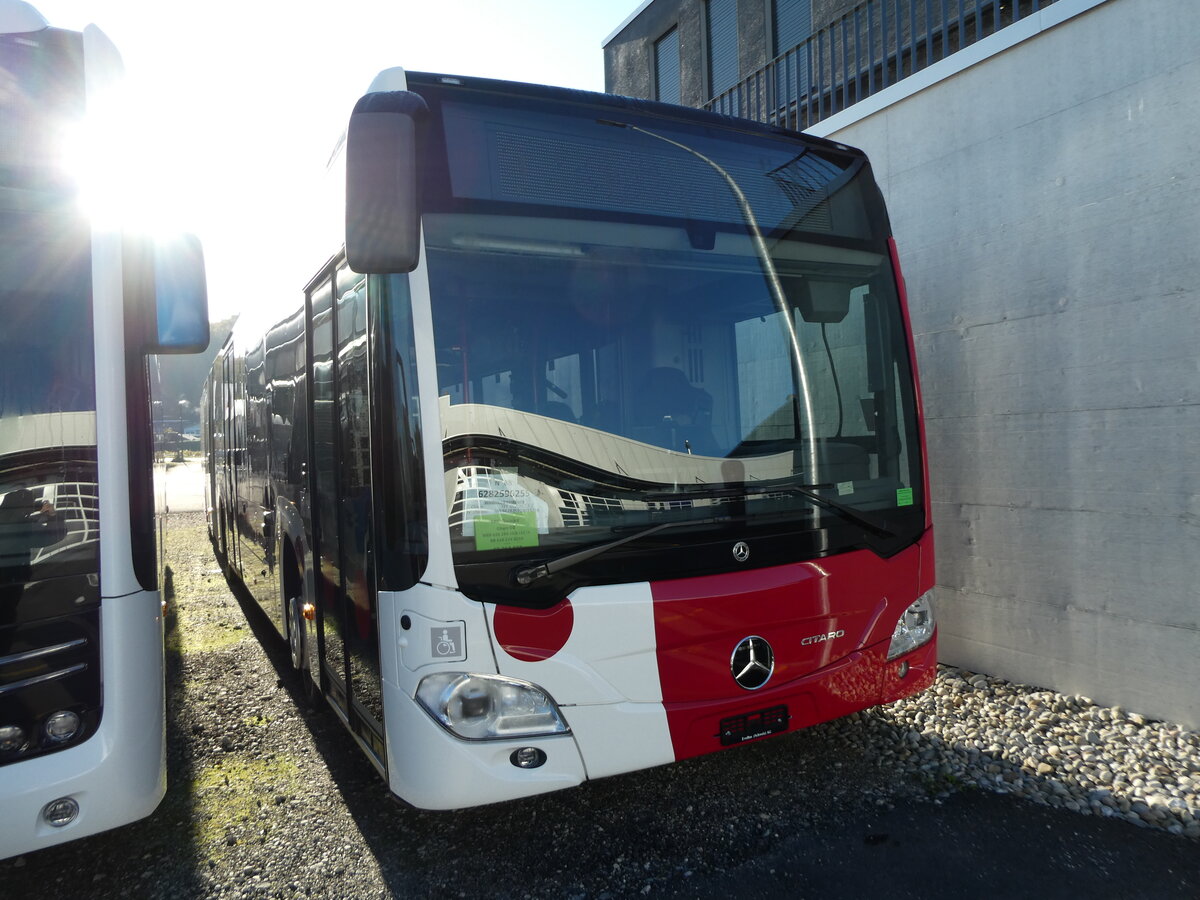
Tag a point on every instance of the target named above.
point(656, 323)
point(45, 295)
point(41, 98)
point(45, 300)
point(48, 493)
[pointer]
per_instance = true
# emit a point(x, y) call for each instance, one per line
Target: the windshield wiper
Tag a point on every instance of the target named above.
point(847, 512)
point(529, 574)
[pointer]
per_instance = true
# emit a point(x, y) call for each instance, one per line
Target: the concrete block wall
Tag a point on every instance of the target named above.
point(1046, 202)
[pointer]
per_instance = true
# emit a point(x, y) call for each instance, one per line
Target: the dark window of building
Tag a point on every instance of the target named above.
point(792, 23)
point(792, 26)
point(722, 45)
point(666, 68)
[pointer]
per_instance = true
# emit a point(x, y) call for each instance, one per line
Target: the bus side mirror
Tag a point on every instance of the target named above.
point(180, 303)
point(382, 219)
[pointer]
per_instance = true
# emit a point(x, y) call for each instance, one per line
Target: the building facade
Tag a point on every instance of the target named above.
point(791, 62)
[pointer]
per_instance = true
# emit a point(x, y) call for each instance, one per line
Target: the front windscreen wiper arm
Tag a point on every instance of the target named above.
point(847, 512)
point(529, 574)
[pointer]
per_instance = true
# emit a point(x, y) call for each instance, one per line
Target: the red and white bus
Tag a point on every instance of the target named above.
point(597, 445)
point(82, 303)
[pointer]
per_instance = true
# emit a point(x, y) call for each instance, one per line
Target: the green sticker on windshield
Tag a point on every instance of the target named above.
point(904, 497)
point(506, 531)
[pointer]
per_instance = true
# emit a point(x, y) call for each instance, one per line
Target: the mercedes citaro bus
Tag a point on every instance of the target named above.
point(591, 441)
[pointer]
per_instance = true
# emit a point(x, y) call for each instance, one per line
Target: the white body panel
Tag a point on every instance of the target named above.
point(429, 767)
point(108, 314)
point(119, 774)
point(440, 568)
point(606, 680)
point(603, 733)
point(610, 655)
point(18, 17)
point(432, 769)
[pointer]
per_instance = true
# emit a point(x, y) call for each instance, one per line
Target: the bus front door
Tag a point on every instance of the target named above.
point(341, 509)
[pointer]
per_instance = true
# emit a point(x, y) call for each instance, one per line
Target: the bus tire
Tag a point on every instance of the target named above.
point(298, 647)
point(296, 642)
point(221, 542)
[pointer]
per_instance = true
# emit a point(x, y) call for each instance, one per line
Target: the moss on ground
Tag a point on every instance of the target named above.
point(208, 618)
point(237, 794)
point(230, 787)
point(188, 632)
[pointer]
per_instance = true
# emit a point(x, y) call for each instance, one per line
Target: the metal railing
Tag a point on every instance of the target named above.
point(871, 47)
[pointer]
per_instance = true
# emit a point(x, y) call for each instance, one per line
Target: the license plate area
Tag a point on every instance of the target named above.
point(751, 726)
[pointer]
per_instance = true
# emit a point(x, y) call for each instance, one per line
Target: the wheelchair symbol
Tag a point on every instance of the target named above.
point(446, 641)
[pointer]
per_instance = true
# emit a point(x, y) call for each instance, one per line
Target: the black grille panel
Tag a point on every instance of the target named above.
point(48, 666)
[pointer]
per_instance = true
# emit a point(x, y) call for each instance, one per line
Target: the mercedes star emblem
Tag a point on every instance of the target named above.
point(741, 551)
point(752, 663)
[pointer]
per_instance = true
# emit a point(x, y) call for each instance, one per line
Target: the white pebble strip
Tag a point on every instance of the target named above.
point(1053, 749)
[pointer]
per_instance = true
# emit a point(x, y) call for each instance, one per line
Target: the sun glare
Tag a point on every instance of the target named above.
point(124, 174)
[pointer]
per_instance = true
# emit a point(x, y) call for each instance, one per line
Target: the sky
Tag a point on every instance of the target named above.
point(240, 102)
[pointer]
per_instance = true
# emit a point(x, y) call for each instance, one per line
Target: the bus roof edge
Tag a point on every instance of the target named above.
point(18, 17)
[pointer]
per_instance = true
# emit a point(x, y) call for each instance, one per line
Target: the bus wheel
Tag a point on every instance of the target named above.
point(298, 646)
point(296, 633)
point(222, 555)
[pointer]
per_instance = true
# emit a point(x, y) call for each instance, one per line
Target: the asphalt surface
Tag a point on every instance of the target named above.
point(270, 799)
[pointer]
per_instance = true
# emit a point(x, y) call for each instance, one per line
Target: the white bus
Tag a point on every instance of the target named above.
point(596, 446)
point(82, 304)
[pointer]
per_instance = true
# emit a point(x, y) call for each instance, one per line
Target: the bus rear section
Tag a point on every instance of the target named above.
point(597, 446)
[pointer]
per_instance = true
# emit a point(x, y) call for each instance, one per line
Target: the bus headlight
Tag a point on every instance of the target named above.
point(62, 726)
point(488, 707)
point(914, 628)
point(12, 738)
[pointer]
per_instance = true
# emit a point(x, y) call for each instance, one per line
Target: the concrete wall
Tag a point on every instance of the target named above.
point(1046, 202)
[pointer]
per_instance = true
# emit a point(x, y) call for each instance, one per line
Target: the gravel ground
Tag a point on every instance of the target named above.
point(1052, 749)
point(269, 798)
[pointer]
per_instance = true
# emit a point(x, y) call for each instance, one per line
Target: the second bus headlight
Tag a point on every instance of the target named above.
point(488, 707)
point(914, 628)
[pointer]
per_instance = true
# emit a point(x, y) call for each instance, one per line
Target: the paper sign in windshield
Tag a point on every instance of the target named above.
point(904, 497)
point(506, 531)
point(498, 511)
